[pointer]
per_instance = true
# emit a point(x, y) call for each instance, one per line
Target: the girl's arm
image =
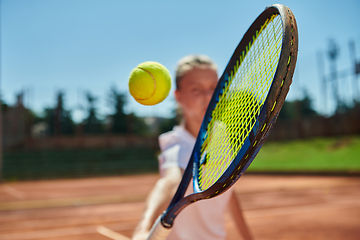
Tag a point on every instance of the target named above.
point(237, 215)
point(157, 201)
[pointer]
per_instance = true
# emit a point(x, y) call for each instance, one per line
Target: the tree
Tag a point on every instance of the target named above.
point(59, 119)
point(137, 125)
point(92, 124)
point(287, 111)
point(119, 118)
point(306, 108)
point(4, 106)
point(168, 123)
point(297, 109)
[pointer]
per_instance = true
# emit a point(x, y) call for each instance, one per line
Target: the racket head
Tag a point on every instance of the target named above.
point(226, 145)
point(258, 100)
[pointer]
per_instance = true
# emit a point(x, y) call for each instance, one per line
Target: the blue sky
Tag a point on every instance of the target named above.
point(91, 45)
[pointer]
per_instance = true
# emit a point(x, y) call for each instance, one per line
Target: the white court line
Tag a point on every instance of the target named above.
point(14, 192)
point(110, 233)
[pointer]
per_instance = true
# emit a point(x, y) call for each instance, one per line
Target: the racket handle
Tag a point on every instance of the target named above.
point(158, 231)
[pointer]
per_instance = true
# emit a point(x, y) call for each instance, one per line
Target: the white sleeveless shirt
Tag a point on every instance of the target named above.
point(200, 220)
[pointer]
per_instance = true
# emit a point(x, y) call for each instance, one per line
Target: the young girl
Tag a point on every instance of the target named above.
point(196, 79)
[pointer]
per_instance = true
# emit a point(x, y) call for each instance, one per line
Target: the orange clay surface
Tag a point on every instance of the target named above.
point(275, 207)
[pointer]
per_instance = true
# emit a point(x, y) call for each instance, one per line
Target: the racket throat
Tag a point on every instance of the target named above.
point(203, 158)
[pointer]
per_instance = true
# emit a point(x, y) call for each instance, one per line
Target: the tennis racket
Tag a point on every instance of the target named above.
point(243, 109)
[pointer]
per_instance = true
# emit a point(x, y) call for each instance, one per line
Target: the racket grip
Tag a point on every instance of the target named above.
point(158, 231)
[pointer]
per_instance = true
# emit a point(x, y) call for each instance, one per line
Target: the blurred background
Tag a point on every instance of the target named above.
point(77, 151)
point(65, 107)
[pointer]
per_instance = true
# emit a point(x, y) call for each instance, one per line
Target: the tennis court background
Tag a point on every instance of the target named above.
point(275, 207)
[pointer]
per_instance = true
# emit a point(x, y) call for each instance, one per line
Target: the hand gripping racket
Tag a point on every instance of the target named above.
point(243, 109)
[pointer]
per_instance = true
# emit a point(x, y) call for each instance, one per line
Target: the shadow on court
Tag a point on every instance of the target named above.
point(276, 207)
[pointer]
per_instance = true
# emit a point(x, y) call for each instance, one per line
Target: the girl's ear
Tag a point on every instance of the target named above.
point(177, 96)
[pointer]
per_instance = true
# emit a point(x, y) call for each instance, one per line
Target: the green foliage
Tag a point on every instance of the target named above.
point(58, 119)
point(4, 106)
point(306, 109)
point(137, 125)
point(167, 124)
point(297, 109)
point(343, 107)
point(287, 111)
point(92, 124)
point(35, 118)
point(119, 118)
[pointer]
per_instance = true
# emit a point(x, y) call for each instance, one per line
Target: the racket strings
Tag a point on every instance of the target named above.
point(239, 106)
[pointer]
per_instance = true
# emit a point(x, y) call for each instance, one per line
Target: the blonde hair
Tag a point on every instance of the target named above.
point(190, 62)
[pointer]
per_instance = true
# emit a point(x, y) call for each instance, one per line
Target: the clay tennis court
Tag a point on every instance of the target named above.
point(276, 207)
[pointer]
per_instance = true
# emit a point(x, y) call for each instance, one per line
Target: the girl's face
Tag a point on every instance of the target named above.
point(194, 93)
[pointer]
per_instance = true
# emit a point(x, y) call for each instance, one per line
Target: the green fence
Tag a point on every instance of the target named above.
point(49, 164)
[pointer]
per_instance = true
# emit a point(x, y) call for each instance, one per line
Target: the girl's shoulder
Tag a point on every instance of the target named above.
point(178, 135)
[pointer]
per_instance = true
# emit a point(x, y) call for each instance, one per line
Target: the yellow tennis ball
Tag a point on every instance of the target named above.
point(149, 83)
